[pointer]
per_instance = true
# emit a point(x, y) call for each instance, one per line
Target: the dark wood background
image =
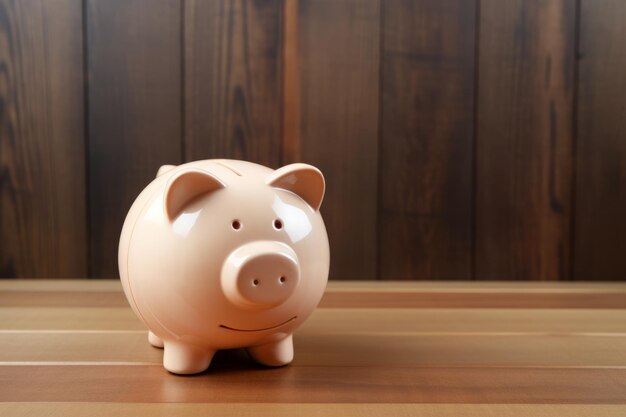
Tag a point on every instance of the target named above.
point(461, 139)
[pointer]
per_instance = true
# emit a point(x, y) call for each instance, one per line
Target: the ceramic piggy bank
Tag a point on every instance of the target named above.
point(221, 254)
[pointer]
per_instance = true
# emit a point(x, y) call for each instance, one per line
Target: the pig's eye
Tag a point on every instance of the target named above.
point(236, 224)
point(278, 224)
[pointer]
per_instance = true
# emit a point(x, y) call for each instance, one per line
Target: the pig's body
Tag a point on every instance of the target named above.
point(221, 254)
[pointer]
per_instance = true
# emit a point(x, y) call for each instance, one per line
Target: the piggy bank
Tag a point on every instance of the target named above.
point(221, 254)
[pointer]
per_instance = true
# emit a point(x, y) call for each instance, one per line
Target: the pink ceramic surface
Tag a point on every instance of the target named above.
point(221, 254)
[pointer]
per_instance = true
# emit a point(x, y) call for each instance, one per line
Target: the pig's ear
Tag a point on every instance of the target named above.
point(186, 186)
point(164, 169)
point(301, 179)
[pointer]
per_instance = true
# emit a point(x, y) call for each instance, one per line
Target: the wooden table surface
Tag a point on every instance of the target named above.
point(372, 348)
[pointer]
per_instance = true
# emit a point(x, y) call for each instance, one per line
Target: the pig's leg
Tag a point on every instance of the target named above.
point(181, 358)
point(275, 353)
point(155, 340)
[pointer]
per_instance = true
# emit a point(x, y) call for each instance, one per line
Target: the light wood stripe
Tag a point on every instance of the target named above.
point(51, 285)
point(334, 350)
point(477, 286)
point(63, 299)
point(33, 318)
point(314, 385)
point(349, 294)
point(344, 299)
point(45, 331)
point(79, 363)
point(351, 286)
point(425, 334)
point(465, 321)
point(95, 363)
point(352, 321)
point(431, 299)
point(308, 410)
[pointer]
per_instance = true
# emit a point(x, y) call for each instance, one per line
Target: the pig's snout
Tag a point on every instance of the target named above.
point(260, 274)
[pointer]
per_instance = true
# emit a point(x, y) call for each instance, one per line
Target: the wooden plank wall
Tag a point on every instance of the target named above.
point(134, 117)
point(525, 138)
point(601, 147)
point(339, 74)
point(43, 184)
point(427, 139)
point(461, 139)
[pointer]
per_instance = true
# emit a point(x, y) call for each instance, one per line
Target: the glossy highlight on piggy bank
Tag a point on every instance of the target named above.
point(221, 254)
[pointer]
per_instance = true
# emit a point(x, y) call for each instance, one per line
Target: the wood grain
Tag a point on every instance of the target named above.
point(233, 80)
point(291, 82)
point(313, 349)
point(356, 299)
point(541, 287)
point(427, 139)
point(61, 285)
point(349, 294)
point(339, 72)
point(309, 410)
point(63, 299)
point(460, 139)
point(601, 147)
point(524, 139)
point(519, 287)
point(42, 169)
point(466, 321)
point(471, 300)
point(296, 384)
point(349, 321)
point(135, 124)
point(413, 361)
point(69, 318)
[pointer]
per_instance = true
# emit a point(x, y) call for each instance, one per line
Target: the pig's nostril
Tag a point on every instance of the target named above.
point(255, 282)
point(282, 279)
